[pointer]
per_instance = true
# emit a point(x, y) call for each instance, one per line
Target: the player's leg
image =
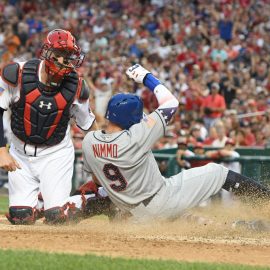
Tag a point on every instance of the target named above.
point(23, 191)
point(183, 191)
point(198, 184)
point(244, 186)
point(56, 172)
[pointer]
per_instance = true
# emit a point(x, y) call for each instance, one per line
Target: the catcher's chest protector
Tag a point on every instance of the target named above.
point(41, 117)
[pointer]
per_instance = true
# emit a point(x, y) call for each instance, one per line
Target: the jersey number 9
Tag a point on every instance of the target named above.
point(113, 174)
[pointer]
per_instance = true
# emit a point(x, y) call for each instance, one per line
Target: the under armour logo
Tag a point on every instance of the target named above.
point(236, 185)
point(41, 104)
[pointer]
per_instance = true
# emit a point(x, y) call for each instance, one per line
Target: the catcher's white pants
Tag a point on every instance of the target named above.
point(50, 173)
point(183, 191)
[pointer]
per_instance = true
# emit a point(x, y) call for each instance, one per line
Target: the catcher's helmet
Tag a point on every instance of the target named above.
point(125, 110)
point(60, 44)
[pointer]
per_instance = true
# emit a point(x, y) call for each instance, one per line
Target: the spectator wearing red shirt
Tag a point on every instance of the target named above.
point(181, 152)
point(212, 135)
point(241, 139)
point(195, 135)
point(199, 152)
point(149, 100)
point(213, 106)
point(250, 139)
point(260, 138)
point(193, 99)
point(175, 39)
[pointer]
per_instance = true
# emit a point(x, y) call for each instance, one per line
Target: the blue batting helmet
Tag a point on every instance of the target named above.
point(125, 110)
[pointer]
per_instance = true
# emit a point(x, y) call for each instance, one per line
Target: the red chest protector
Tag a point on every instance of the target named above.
point(41, 117)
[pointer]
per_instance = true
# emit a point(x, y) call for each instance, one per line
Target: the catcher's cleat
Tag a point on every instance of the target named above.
point(21, 215)
point(67, 214)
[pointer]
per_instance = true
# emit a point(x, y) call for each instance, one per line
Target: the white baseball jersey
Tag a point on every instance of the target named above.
point(123, 161)
point(45, 168)
point(126, 168)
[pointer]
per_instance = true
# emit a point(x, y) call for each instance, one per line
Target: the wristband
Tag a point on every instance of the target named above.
point(150, 81)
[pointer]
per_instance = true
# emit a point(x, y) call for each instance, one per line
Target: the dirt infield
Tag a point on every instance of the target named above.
point(176, 240)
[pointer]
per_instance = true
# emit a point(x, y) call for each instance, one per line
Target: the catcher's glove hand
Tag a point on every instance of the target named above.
point(137, 73)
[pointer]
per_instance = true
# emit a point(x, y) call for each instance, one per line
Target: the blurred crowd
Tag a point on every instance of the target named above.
point(213, 55)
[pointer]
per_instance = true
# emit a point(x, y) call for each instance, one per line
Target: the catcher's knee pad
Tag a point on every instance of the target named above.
point(21, 215)
point(61, 215)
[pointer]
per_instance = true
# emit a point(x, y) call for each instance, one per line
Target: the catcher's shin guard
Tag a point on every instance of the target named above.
point(60, 215)
point(244, 186)
point(21, 215)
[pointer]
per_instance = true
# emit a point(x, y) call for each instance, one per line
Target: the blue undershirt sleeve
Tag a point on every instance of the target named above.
point(150, 81)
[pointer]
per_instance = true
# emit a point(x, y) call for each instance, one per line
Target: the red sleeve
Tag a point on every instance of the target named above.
point(222, 102)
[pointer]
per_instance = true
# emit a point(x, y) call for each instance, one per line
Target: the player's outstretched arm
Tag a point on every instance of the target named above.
point(7, 162)
point(167, 101)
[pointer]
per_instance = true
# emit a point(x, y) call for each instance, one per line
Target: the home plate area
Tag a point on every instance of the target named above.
point(182, 240)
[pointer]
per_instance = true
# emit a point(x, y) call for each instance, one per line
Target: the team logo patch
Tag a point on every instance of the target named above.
point(150, 122)
point(43, 104)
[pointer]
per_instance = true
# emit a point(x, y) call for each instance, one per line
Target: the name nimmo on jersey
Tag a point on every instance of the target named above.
point(105, 150)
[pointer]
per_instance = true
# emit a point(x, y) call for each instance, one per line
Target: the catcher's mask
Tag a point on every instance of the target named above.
point(61, 54)
point(125, 110)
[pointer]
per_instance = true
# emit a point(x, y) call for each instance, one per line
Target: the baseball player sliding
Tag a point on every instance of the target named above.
point(121, 160)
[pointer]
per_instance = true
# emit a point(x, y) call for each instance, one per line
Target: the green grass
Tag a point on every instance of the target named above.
point(3, 204)
point(23, 260)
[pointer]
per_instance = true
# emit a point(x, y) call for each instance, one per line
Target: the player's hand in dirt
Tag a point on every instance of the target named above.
point(7, 162)
point(137, 73)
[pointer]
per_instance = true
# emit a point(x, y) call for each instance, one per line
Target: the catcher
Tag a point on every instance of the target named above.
point(43, 95)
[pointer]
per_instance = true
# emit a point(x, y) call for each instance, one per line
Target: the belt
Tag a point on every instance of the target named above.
point(30, 150)
point(148, 200)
